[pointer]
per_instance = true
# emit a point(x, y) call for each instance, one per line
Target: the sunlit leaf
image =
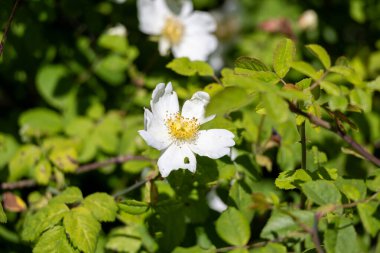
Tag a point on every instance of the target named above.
point(184, 66)
point(250, 63)
point(281, 224)
point(322, 192)
point(283, 56)
point(54, 240)
point(23, 162)
point(321, 53)
point(233, 227)
point(43, 219)
point(82, 228)
point(101, 205)
point(367, 213)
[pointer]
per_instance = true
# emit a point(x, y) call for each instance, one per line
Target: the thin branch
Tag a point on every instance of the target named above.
point(7, 26)
point(113, 160)
point(317, 82)
point(134, 186)
point(27, 183)
point(18, 185)
point(322, 123)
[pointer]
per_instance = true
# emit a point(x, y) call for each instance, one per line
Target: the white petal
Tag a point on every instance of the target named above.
point(163, 46)
point(199, 22)
point(155, 132)
point(196, 106)
point(187, 8)
point(152, 15)
point(154, 141)
point(176, 157)
point(213, 143)
point(215, 202)
point(196, 47)
point(164, 101)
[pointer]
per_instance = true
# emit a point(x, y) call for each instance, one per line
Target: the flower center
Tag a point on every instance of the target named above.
point(173, 30)
point(182, 129)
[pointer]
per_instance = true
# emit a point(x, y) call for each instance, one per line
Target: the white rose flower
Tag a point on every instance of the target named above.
point(188, 34)
point(177, 134)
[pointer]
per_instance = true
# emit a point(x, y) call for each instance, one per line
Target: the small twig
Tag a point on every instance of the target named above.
point(114, 160)
point(134, 186)
point(322, 123)
point(27, 183)
point(18, 185)
point(7, 26)
point(216, 79)
point(317, 82)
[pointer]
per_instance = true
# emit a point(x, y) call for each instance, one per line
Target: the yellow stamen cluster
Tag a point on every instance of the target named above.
point(182, 129)
point(173, 30)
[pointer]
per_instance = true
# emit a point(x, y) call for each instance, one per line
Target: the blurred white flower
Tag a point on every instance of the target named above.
point(177, 134)
point(118, 30)
point(188, 34)
point(308, 20)
point(215, 202)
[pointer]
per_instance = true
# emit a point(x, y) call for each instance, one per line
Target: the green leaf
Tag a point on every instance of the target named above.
point(112, 69)
point(82, 228)
point(272, 102)
point(49, 81)
point(250, 63)
point(42, 172)
point(349, 74)
point(194, 249)
point(101, 205)
point(40, 122)
point(53, 240)
point(272, 248)
point(342, 238)
point(361, 98)
point(8, 147)
point(292, 179)
point(169, 223)
point(306, 69)
point(330, 88)
point(23, 162)
point(43, 219)
point(64, 158)
point(228, 100)
point(242, 197)
point(70, 195)
point(185, 67)
point(233, 227)
point(280, 224)
point(252, 81)
point(368, 213)
point(115, 43)
point(283, 56)
point(125, 239)
point(79, 127)
point(3, 216)
point(339, 103)
point(322, 192)
point(321, 53)
point(354, 189)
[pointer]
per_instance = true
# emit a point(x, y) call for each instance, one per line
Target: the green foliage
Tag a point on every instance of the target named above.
point(184, 66)
point(233, 227)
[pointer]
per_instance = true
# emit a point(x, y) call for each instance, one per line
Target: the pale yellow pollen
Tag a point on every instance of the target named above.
point(173, 30)
point(182, 129)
